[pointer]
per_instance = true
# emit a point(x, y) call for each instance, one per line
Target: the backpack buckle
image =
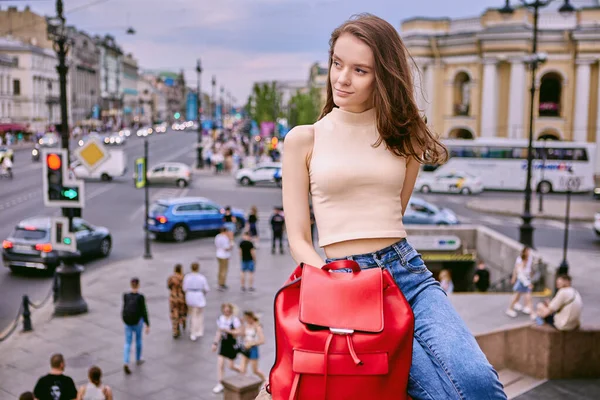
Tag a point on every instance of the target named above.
point(341, 331)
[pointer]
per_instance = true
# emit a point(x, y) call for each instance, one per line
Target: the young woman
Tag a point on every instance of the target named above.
point(359, 164)
point(253, 337)
point(177, 305)
point(521, 279)
point(94, 389)
point(228, 329)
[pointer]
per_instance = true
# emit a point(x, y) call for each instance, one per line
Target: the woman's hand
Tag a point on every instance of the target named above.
point(214, 347)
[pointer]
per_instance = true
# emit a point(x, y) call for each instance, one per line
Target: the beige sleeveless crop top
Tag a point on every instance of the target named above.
point(355, 187)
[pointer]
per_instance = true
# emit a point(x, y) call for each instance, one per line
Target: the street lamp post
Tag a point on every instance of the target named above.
point(213, 111)
point(222, 111)
point(526, 229)
point(573, 184)
point(199, 149)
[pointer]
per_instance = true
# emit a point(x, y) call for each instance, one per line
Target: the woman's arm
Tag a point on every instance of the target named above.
point(412, 171)
point(295, 181)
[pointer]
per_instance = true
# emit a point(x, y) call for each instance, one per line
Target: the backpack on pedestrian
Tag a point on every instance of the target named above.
point(341, 335)
point(130, 312)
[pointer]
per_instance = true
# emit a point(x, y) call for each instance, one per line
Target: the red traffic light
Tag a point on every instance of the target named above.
point(54, 161)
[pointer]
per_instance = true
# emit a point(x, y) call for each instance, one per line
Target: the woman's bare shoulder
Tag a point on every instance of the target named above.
point(300, 136)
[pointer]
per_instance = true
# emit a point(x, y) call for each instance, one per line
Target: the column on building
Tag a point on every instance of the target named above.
point(429, 78)
point(489, 106)
point(516, 99)
point(597, 167)
point(418, 76)
point(582, 100)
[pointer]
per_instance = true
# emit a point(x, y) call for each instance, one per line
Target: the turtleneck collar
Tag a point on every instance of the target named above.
point(363, 118)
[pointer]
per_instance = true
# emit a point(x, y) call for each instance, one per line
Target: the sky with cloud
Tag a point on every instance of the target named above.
point(238, 41)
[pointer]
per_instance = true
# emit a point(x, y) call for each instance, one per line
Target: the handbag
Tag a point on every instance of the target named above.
point(341, 335)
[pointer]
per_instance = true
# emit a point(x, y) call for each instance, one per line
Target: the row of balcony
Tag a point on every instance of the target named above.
point(545, 109)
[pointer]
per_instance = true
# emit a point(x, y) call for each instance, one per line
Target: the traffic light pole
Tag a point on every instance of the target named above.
point(147, 253)
point(70, 301)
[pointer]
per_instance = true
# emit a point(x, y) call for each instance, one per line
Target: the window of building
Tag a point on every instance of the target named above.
point(16, 87)
point(550, 95)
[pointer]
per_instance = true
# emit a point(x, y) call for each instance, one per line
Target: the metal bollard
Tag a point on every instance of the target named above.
point(26, 315)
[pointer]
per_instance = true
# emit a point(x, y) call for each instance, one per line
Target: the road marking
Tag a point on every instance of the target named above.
point(551, 223)
point(99, 191)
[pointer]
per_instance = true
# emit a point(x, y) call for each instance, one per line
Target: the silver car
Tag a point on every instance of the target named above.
point(170, 173)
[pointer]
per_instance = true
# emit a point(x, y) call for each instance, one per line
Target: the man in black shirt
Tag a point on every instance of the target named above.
point(55, 385)
point(248, 256)
point(481, 279)
point(277, 227)
point(135, 315)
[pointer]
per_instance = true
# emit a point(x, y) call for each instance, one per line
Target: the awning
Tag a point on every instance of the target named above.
point(448, 257)
point(13, 127)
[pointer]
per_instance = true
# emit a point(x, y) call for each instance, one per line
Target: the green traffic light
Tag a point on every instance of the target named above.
point(70, 194)
point(177, 115)
point(67, 240)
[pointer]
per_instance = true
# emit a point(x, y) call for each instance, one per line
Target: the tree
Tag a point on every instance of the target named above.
point(264, 102)
point(304, 107)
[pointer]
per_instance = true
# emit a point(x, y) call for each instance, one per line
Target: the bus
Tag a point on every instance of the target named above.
point(502, 163)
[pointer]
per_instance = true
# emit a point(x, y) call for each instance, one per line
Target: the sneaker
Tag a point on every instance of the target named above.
point(243, 288)
point(511, 313)
point(126, 369)
point(218, 389)
point(526, 310)
point(193, 338)
point(141, 362)
point(517, 307)
point(252, 289)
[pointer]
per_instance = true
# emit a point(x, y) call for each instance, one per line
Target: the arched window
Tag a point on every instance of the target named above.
point(460, 133)
point(550, 94)
point(462, 99)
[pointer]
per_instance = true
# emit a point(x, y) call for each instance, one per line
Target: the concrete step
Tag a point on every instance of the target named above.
point(516, 383)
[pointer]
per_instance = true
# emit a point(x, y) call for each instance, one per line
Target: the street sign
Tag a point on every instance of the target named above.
point(140, 173)
point(59, 189)
point(92, 154)
point(435, 242)
point(60, 236)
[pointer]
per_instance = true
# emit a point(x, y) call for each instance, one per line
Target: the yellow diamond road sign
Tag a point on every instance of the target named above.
point(92, 154)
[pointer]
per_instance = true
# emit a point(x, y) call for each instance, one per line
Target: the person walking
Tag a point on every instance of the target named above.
point(229, 222)
point(55, 385)
point(177, 303)
point(248, 257)
point(228, 329)
point(253, 225)
point(94, 389)
point(223, 245)
point(481, 278)
point(277, 228)
point(253, 337)
point(358, 164)
point(135, 316)
point(195, 287)
point(521, 279)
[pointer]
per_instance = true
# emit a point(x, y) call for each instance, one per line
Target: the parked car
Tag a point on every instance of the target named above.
point(421, 212)
point(262, 173)
point(28, 246)
point(179, 217)
point(457, 182)
point(597, 224)
point(169, 173)
point(6, 152)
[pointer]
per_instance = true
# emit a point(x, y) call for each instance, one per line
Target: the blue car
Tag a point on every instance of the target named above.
point(179, 217)
point(421, 212)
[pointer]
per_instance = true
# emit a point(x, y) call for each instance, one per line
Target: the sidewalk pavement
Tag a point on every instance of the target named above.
point(581, 210)
point(184, 369)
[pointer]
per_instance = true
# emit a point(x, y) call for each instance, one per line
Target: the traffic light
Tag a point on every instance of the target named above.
point(60, 237)
point(177, 115)
point(59, 190)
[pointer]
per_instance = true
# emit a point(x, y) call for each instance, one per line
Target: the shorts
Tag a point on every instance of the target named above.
point(520, 288)
point(248, 266)
point(252, 353)
point(230, 226)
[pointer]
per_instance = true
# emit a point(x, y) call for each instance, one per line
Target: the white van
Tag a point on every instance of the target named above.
point(114, 167)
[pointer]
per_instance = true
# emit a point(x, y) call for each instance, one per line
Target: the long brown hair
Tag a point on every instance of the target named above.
point(399, 123)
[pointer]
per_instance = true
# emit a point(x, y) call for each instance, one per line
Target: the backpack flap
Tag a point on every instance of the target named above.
point(339, 300)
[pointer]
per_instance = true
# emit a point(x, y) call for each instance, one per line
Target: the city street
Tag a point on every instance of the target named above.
point(118, 206)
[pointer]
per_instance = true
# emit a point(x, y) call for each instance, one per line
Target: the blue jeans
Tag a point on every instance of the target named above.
point(447, 362)
point(129, 331)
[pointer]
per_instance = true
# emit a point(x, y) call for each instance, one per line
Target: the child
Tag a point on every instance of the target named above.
point(253, 337)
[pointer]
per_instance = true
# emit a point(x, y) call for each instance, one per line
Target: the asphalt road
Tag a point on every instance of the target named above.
point(118, 206)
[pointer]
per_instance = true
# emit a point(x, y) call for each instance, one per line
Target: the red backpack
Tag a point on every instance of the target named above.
point(341, 336)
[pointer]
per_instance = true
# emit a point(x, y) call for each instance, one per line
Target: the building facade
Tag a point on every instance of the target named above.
point(35, 88)
point(7, 66)
point(472, 77)
point(130, 89)
point(170, 88)
point(84, 76)
point(111, 86)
